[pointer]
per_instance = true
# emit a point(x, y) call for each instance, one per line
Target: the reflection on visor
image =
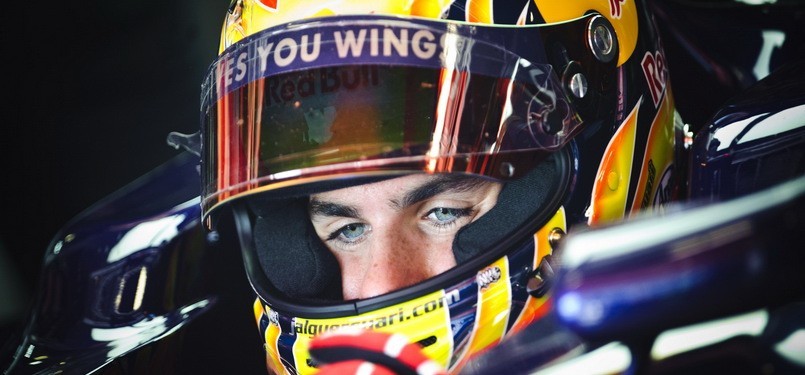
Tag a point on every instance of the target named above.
point(333, 100)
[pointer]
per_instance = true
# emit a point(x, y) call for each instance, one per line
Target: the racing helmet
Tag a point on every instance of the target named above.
point(559, 101)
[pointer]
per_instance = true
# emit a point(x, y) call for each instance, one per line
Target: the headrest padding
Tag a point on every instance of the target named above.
point(518, 202)
point(292, 256)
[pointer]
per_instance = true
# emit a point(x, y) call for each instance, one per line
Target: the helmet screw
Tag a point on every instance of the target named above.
point(541, 279)
point(213, 236)
point(536, 282)
point(601, 39)
point(506, 169)
point(555, 237)
point(578, 85)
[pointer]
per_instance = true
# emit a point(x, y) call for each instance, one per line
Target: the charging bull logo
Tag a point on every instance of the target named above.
point(271, 5)
point(488, 276)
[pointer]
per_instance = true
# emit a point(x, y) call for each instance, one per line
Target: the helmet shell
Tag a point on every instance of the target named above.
point(621, 163)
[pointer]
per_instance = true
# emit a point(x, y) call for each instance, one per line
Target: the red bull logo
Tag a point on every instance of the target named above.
point(656, 74)
point(271, 5)
point(283, 90)
point(616, 8)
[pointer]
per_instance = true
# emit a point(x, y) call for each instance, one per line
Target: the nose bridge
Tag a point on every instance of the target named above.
point(394, 263)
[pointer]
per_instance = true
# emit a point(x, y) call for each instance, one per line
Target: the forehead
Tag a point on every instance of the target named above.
point(390, 186)
point(405, 191)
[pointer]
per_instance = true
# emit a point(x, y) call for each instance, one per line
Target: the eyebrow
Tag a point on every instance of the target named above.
point(439, 185)
point(321, 208)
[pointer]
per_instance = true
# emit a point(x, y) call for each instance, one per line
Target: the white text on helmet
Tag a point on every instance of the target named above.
point(344, 44)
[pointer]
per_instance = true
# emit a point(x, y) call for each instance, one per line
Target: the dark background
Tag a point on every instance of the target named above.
point(91, 90)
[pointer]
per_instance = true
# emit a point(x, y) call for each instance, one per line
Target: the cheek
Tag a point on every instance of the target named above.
point(352, 273)
point(433, 253)
point(347, 261)
point(405, 257)
point(421, 257)
point(443, 258)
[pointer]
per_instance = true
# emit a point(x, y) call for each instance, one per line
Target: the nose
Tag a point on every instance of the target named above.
point(395, 262)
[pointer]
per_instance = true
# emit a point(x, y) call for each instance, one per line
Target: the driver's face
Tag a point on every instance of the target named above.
point(395, 233)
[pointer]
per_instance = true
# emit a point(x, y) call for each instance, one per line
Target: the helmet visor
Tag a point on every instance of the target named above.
point(354, 96)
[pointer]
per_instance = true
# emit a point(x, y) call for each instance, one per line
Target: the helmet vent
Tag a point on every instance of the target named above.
point(311, 363)
point(519, 202)
point(426, 342)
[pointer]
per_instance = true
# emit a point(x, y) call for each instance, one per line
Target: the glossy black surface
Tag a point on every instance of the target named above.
point(130, 271)
point(755, 141)
point(646, 276)
point(713, 50)
point(717, 49)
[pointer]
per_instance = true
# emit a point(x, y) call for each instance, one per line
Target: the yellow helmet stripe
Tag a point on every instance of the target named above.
point(492, 312)
point(659, 155)
point(611, 186)
point(535, 308)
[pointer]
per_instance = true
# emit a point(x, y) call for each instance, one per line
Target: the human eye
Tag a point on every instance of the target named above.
point(446, 216)
point(349, 234)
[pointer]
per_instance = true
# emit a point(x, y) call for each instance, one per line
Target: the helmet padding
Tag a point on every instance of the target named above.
point(298, 264)
point(291, 254)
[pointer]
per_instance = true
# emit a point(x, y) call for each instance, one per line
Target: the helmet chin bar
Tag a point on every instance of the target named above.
point(297, 274)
